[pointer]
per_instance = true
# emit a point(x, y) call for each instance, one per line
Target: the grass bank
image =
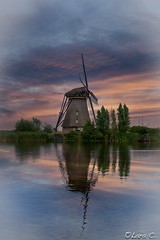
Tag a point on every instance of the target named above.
point(14, 136)
point(133, 135)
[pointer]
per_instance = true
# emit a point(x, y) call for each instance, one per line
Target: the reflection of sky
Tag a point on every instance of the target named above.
point(36, 205)
point(41, 43)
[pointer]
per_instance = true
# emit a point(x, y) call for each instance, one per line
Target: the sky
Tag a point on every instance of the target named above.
point(40, 59)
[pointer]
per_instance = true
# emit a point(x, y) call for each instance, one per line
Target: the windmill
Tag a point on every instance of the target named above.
point(74, 111)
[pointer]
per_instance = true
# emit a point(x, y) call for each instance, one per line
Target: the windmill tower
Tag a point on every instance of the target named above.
point(74, 110)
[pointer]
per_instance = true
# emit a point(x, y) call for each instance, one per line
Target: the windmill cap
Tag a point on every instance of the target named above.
point(77, 92)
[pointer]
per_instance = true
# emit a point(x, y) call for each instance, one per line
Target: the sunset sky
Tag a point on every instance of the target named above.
point(40, 59)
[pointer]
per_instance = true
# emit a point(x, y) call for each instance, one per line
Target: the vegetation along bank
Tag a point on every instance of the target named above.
point(112, 127)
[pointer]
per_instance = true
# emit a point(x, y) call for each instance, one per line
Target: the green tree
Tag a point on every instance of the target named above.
point(102, 121)
point(113, 121)
point(123, 118)
point(120, 118)
point(27, 125)
point(48, 128)
point(126, 117)
point(113, 130)
point(24, 125)
point(89, 131)
point(37, 123)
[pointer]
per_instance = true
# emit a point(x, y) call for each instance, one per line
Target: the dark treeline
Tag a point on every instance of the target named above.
point(114, 126)
point(110, 126)
point(34, 125)
point(28, 131)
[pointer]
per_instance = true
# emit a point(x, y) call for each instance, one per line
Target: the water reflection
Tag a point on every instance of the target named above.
point(114, 157)
point(77, 160)
point(108, 155)
point(92, 202)
point(80, 166)
point(25, 152)
point(77, 165)
point(104, 159)
point(124, 161)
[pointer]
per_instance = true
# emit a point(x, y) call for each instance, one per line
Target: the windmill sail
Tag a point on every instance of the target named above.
point(94, 98)
point(84, 69)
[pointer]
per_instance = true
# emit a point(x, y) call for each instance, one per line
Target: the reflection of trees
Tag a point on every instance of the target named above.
point(114, 158)
point(124, 161)
point(78, 163)
point(25, 152)
point(103, 158)
point(108, 154)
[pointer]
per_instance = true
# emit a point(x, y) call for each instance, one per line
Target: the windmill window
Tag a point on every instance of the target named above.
point(76, 113)
point(76, 120)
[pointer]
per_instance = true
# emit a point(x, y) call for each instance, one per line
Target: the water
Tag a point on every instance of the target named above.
point(74, 191)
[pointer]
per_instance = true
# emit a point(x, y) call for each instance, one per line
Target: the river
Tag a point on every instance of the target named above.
point(79, 191)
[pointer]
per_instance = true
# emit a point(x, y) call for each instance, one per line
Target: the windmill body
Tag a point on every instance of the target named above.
point(77, 113)
point(74, 112)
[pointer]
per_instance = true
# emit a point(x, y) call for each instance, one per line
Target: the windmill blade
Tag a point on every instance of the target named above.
point(61, 113)
point(84, 84)
point(82, 81)
point(84, 69)
point(93, 97)
point(94, 116)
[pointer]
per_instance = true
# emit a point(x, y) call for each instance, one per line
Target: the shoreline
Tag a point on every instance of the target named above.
point(11, 136)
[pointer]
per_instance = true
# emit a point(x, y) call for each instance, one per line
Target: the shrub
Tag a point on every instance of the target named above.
point(24, 125)
point(48, 128)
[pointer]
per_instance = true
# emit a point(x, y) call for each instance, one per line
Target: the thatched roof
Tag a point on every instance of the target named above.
point(77, 92)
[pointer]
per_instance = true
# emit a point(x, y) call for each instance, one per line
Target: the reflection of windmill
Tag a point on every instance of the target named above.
point(78, 171)
point(74, 111)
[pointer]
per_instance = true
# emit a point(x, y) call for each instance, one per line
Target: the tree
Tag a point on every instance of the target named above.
point(102, 121)
point(123, 118)
point(28, 126)
point(89, 131)
point(126, 117)
point(113, 121)
point(113, 130)
point(36, 123)
point(120, 118)
point(48, 128)
point(24, 125)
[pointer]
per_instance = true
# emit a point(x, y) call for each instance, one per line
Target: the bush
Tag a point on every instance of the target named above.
point(91, 133)
point(24, 125)
point(48, 128)
point(72, 136)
